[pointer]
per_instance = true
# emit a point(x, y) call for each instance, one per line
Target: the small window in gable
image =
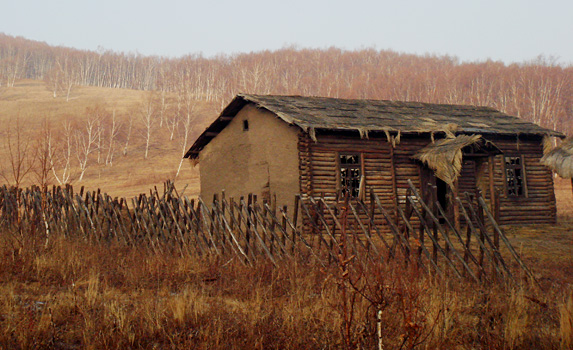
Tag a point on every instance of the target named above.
point(515, 176)
point(350, 173)
point(245, 125)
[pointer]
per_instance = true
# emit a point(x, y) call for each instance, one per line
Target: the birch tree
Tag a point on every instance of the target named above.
point(187, 126)
point(85, 141)
point(114, 129)
point(130, 118)
point(147, 117)
point(61, 158)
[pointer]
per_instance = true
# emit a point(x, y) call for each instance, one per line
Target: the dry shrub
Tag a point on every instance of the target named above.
point(75, 294)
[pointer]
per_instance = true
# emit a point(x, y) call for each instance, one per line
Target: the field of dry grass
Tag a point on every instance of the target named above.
point(73, 294)
point(32, 103)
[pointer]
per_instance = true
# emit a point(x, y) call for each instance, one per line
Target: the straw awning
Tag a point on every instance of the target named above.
point(445, 156)
point(560, 159)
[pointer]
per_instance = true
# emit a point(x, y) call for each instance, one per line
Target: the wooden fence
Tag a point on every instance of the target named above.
point(419, 234)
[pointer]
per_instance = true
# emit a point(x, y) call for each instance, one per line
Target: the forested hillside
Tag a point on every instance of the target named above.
point(540, 91)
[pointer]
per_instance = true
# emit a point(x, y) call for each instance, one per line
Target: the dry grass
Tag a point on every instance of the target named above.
point(564, 197)
point(72, 294)
point(130, 175)
point(76, 295)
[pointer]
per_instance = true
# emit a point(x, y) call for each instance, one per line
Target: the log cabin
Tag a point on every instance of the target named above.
point(281, 146)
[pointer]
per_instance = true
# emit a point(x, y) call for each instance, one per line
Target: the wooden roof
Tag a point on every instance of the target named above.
point(364, 116)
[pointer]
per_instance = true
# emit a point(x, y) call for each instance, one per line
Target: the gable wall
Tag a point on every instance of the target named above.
point(262, 161)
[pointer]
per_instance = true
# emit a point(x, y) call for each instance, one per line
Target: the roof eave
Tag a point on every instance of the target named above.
point(216, 127)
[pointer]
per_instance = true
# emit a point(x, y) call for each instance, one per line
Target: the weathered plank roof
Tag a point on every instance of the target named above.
point(365, 116)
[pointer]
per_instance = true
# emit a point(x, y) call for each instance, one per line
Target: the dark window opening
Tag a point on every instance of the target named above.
point(245, 125)
point(514, 176)
point(350, 174)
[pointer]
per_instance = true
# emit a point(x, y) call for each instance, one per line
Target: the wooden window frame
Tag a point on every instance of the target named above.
point(340, 166)
point(511, 190)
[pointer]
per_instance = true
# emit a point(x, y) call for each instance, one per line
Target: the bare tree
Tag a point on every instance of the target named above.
point(20, 156)
point(53, 80)
point(130, 117)
point(148, 119)
point(187, 123)
point(60, 158)
point(70, 77)
point(114, 129)
point(44, 148)
point(85, 142)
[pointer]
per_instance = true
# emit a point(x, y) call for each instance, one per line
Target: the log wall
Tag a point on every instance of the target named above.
point(319, 166)
point(538, 205)
point(387, 170)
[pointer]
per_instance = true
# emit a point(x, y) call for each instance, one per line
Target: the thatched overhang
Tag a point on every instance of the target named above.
point(560, 159)
point(445, 156)
point(322, 114)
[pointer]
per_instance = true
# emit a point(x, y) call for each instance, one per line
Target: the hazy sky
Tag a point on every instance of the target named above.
point(507, 30)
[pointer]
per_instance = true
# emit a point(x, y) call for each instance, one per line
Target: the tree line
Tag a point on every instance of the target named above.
point(539, 90)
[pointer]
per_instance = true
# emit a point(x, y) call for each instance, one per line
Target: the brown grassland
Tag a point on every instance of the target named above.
point(72, 294)
point(30, 104)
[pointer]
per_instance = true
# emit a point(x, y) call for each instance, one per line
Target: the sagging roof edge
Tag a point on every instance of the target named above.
point(242, 100)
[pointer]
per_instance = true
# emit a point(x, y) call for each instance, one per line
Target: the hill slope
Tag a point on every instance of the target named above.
point(80, 133)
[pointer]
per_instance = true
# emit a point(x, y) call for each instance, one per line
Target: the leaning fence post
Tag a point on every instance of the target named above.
point(284, 225)
point(295, 221)
point(433, 198)
point(496, 208)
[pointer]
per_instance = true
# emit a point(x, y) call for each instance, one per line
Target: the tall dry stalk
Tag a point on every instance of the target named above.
point(566, 323)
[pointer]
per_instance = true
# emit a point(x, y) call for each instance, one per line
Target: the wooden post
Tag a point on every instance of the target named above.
point(232, 213)
point(284, 225)
point(274, 209)
point(496, 213)
point(295, 221)
point(455, 194)
point(480, 217)
point(394, 182)
point(264, 218)
point(408, 213)
point(433, 199)
point(491, 160)
point(249, 209)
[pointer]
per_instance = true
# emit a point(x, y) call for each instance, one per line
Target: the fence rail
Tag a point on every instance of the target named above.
point(419, 234)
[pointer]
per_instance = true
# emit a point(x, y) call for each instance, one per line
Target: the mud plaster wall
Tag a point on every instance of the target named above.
point(262, 160)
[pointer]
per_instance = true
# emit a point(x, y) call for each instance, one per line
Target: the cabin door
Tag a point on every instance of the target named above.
point(434, 189)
